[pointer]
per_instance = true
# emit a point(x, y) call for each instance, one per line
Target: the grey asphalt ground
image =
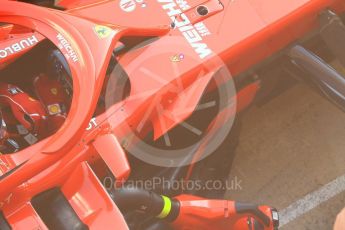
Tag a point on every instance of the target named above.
point(289, 148)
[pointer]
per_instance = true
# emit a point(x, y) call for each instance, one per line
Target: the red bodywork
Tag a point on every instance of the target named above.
point(239, 33)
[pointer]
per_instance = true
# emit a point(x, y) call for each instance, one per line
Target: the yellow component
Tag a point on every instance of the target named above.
point(54, 109)
point(166, 209)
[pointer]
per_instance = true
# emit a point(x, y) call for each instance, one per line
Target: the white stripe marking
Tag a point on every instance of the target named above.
point(312, 200)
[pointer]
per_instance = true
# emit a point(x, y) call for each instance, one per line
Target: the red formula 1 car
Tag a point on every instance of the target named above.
point(125, 114)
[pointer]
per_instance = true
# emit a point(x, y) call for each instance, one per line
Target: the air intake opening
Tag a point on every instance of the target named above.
point(56, 212)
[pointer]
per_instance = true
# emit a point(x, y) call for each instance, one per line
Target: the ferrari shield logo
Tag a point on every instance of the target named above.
point(54, 91)
point(102, 31)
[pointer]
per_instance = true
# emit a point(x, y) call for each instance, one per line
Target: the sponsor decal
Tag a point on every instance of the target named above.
point(18, 46)
point(66, 46)
point(92, 124)
point(177, 58)
point(202, 29)
point(131, 5)
point(128, 5)
point(102, 31)
point(192, 33)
